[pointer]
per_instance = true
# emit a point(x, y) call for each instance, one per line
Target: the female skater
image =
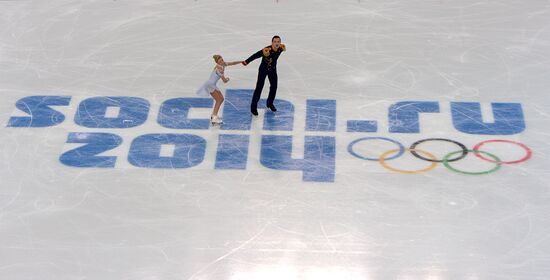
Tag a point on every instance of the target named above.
point(209, 87)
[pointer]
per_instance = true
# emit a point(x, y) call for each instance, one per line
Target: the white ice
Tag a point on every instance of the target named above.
point(61, 222)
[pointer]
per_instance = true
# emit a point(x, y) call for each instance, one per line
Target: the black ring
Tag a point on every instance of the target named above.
point(414, 153)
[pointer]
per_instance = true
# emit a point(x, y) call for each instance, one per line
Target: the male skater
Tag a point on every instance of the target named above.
point(268, 68)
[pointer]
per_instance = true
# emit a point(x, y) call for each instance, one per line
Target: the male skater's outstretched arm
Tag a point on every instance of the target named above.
point(253, 57)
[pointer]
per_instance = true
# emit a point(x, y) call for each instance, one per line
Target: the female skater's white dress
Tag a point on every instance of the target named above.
point(210, 85)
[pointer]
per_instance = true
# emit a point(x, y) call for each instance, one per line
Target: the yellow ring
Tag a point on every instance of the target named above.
point(382, 161)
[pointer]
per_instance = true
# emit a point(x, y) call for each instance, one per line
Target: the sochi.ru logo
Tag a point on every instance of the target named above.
point(318, 161)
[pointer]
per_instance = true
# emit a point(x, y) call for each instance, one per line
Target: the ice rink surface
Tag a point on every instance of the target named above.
point(110, 170)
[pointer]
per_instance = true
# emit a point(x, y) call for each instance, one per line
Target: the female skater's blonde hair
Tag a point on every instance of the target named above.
point(216, 57)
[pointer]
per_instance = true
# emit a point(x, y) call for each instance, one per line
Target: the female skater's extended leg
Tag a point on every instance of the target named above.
point(218, 98)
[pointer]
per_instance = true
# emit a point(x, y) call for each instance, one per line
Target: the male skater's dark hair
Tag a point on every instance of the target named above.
point(275, 37)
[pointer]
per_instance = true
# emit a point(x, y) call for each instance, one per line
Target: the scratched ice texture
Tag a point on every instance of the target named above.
point(317, 190)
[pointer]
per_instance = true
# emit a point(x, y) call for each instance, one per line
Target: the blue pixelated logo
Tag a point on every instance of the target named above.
point(317, 163)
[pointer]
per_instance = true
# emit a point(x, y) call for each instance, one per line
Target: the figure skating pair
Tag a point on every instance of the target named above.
point(268, 68)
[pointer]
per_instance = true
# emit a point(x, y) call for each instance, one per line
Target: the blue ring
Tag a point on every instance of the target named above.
point(350, 148)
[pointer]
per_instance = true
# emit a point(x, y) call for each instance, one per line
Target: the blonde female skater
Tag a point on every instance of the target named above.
point(209, 87)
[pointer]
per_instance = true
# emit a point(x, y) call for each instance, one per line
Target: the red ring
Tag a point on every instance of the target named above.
point(525, 158)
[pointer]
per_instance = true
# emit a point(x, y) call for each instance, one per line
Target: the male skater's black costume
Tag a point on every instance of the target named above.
point(268, 68)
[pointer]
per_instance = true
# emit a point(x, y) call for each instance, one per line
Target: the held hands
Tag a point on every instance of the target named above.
point(244, 63)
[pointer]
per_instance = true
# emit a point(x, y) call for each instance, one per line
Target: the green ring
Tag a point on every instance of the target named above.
point(448, 166)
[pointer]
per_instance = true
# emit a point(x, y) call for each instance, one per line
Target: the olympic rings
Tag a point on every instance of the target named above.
point(382, 160)
point(451, 157)
point(351, 151)
point(497, 166)
point(413, 149)
point(527, 156)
